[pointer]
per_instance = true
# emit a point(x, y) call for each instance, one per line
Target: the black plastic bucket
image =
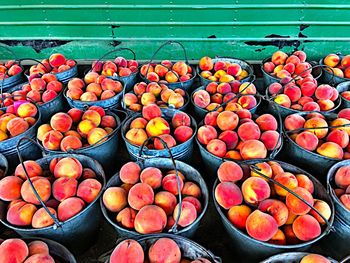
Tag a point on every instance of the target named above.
point(257, 250)
point(292, 257)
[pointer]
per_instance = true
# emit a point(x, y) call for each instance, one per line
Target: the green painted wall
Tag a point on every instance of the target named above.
point(246, 29)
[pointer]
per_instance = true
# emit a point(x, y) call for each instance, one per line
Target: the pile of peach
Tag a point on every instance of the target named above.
point(120, 67)
point(152, 124)
point(221, 71)
point(167, 72)
point(65, 189)
point(340, 66)
point(55, 64)
point(147, 201)
point(76, 129)
point(237, 136)
point(304, 95)
point(162, 250)
point(11, 67)
point(266, 211)
point(215, 94)
point(39, 90)
point(282, 65)
point(94, 87)
point(329, 142)
point(16, 250)
point(342, 181)
point(145, 94)
point(17, 119)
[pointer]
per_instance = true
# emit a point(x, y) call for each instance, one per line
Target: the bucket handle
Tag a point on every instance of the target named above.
point(346, 259)
point(173, 229)
point(279, 143)
point(257, 170)
point(56, 221)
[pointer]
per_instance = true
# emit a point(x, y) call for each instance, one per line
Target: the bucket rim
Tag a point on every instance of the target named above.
point(53, 226)
point(324, 233)
point(273, 258)
point(330, 74)
point(55, 73)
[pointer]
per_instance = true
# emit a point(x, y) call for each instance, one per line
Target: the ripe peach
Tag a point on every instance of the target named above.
point(267, 122)
point(70, 142)
point(283, 100)
point(150, 219)
point(314, 258)
point(126, 217)
point(89, 189)
point(263, 168)
point(17, 126)
point(64, 188)
point(157, 126)
point(52, 140)
point(331, 150)
point(277, 209)
point(248, 131)
point(317, 122)
point(303, 69)
point(74, 93)
point(279, 238)
point(68, 167)
point(107, 94)
point(293, 122)
point(247, 88)
point(271, 139)
point(136, 136)
point(130, 173)
point(288, 180)
point(261, 226)
point(76, 83)
point(33, 169)
point(253, 149)
point(306, 228)
point(188, 213)
point(166, 200)
point(307, 140)
point(339, 137)
point(10, 188)
point(339, 122)
point(269, 67)
point(295, 205)
point(42, 219)
point(170, 184)
point(279, 58)
point(324, 92)
point(180, 119)
point(217, 147)
point(227, 120)
point(128, 250)
point(115, 199)
point(38, 247)
point(140, 195)
point(206, 63)
point(255, 190)
point(323, 208)
point(13, 250)
point(97, 135)
point(201, 98)
point(276, 168)
point(69, 207)
point(180, 68)
point(151, 176)
point(238, 215)
point(20, 213)
point(151, 111)
point(342, 177)
point(41, 185)
point(229, 172)
point(305, 182)
point(61, 122)
point(164, 250)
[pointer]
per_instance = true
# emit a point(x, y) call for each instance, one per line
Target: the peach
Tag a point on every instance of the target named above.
point(52, 140)
point(306, 228)
point(302, 69)
point(223, 88)
point(305, 182)
point(201, 98)
point(151, 176)
point(253, 149)
point(323, 208)
point(230, 138)
point(344, 113)
point(115, 199)
point(70, 142)
point(42, 219)
point(48, 95)
point(191, 189)
point(68, 167)
point(238, 215)
point(212, 87)
point(206, 63)
point(276, 168)
point(247, 88)
point(69, 208)
point(89, 96)
point(314, 258)
point(13, 250)
point(285, 72)
point(130, 173)
point(303, 100)
point(170, 183)
point(342, 177)
point(255, 190)
point(227, 120)
point(150, 219)
point(136, 136)
point(126, 217)
point(20, 213)
point(268, 67)
point(295, 205)
point(308, 88)
point(10, 188)
point(183, 133)
point(64, 188)
point(263, 168)
point(283, 100)
point(38, 247)
point(290, 236)
point(17, 126)
point(293, 92)
point(229, 172)
point(176, 100)
point(108, 121)
point(267, 122)
point(307, 140)
point(97, 135)
point(161, 70)
point(89, 189)
point(138, 123)
point(180, 68)
point(33, 169)
point(331, 150)
point(217, 147)
point(41, 185)
point(279, 238)
point(188, 213)
point(234, 69)
point(164, 250)
point(317, 122)
point(345, 200)
point(128, 250)
point(247, 102)
point(171, 77)
point(151, 111)
point(88, 173)
point(85, 126)
point(339, 122)
point(157, 126)
point(277, 209)
point(279, 58)
point(261, 226)
point(135, 107)
point(57, 60)
point(76, 83)
point(140, 195)
point(180, 119)
point(94, 88)
point(73, 133)
point(107, 94)
point(61, 122)
point(286, 179)
point(274, 88)
point(74, 93)
point(248, 131)
point(37, 84)
point(324, 92)
point(148, 98)
point(339, 137)
point(293, 122)
point(345, 62)
point(271, 139)
point(44, 258)
point(166, 200)
point(311, 106)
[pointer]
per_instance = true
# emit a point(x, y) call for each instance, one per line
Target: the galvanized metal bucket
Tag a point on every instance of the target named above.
point(78, 232)
point(190, 173)
point(181, 151)
point(244, 65)
point(330, 77)
point(185, 85)
point(341, 87)
point(338, 241)
point(312, 162)
point(257, 250)
point(292, 257)
point(28, 150)
point(105, 152)
point(57, 251)
point(49, 108)
point(107, 104)
point(200, 112)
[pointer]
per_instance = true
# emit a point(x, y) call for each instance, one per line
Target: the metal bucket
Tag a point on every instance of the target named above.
point(329, 77)
point(12, 81)
point(68, 74)
point(341, 87)
point(49, 108)
point(312, 162)
point(57, 251)
point(105, 152)
point(292, 257)
point(28, 150)
point(257, 250)
point(185, 85)
point(162, 163)
point(200, 112)
point(244, 65)
point(78, 232)
point(181, 151)
point(337, 241)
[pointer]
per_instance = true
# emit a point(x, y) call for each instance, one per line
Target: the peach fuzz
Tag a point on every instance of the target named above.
point(38, 247)
point(201, 98)
point(20, 213)
point(263, 168)
point(64, 188)
point(42, 219)
point(277, 209)
point(286, 179)
point(61, 122)
point(227, 120)
point(323, 208)
point(261, 226)
point(229, 172)
point(10, 188)
point(13, 250)
point(136, 136)
point(206, 133)
point(188, 213)
point(140, 195)
point(89, 189)
point(180, 119)
point(331, 150)
point(130, 173)
point(253, 149)
point(307, 140)
point(150, 219)
point(314, 258)
point(69, 207)
point(115, 199)
point(306, 228)
point(238, 215)
point(255, 190)
point(305, 182)
point(128, 250)
point(170, 183)
point(295, 205)
point(17, 126)
point(41, 185)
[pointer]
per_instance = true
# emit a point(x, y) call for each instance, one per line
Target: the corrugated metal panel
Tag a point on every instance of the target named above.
point(86, 29)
